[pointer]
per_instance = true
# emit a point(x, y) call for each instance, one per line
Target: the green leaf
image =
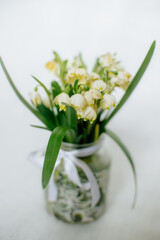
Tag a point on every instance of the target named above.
point(57, 57)
point(126, 152)
point(52, 151)
point(133, 84)
point(42, 85)
point(41, 127)
point(56, 89)
point(68, 89)
point(22, 99)
point(48, 114)
point(78, 138)
point(96, 65)
point(63, 71)
point(75, 87)
point(70, 134)
point(83, 65)
point(71, 118)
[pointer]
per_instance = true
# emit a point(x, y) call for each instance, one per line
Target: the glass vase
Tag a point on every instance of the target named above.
point(74, 204)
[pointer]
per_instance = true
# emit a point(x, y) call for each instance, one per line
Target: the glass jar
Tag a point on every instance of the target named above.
point(74, 204)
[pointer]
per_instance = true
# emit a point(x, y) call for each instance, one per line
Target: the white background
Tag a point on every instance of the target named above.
point(29, 32)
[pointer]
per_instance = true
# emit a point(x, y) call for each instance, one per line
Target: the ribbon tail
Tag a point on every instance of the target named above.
point(92, 180)
point(71, 171)
point(52, 190)
point(52, 187)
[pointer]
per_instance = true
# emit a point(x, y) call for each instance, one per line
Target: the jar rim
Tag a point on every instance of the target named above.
point(67, 145)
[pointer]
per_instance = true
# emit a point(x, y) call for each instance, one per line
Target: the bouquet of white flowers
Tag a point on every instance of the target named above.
point(79, 104)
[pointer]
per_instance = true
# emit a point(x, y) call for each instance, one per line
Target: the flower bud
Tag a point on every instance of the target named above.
point(46, 102)
point(99, 85)
point(60, 99)
point(35, 98)
point(78, 101)
point(107, 101)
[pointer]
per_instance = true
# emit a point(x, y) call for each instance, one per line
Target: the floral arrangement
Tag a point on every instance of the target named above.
point(80, 104)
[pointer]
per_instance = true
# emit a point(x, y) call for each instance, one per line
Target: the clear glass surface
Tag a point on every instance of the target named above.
point(74, 204)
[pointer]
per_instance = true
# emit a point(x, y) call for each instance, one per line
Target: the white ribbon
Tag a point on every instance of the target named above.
point(71, 160)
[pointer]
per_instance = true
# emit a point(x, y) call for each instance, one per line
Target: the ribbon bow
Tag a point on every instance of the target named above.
point(71, 160)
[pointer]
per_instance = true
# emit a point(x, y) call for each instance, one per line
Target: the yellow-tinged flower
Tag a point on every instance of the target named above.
point(78, 101)
point(122, 80)
point(114, 80)
point(35, 98)
point(91, 95)
point(89, 98)
point(106, 60)
point(99, 85)
point(53, 66)
point(89, 114)
point(62, 98)
point(124, 75)
point(77, 73)
point(94, 76)
point(109, 88)
point(108, 101)
point(96, 94)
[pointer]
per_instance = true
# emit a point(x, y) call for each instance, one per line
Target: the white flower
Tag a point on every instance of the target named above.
point(114, 80)
point(109, 88)
point(123, 80)
point(94, 76)
point(89, 114)
point(107, 101)
point(99, 85)
point(106, 60)
point(89, 98)
point(91, 95)
point(46, 102)
point(77, 73)
point(78, 101)
point(96, 94)
point(124, 75)
point(35, 98)
point(60, 99)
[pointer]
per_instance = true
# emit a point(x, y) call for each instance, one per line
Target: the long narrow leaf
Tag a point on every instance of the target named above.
point(48, 114)
point(34, 111)
point(64, 122)
point(42, 85)
point(71, 117)
point(63, 72)
point(52, 151)
point(41, 127)
point(133, 84)
point(126, 152)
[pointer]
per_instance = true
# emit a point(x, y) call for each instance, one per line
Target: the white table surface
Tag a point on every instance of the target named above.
point(29, 31)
